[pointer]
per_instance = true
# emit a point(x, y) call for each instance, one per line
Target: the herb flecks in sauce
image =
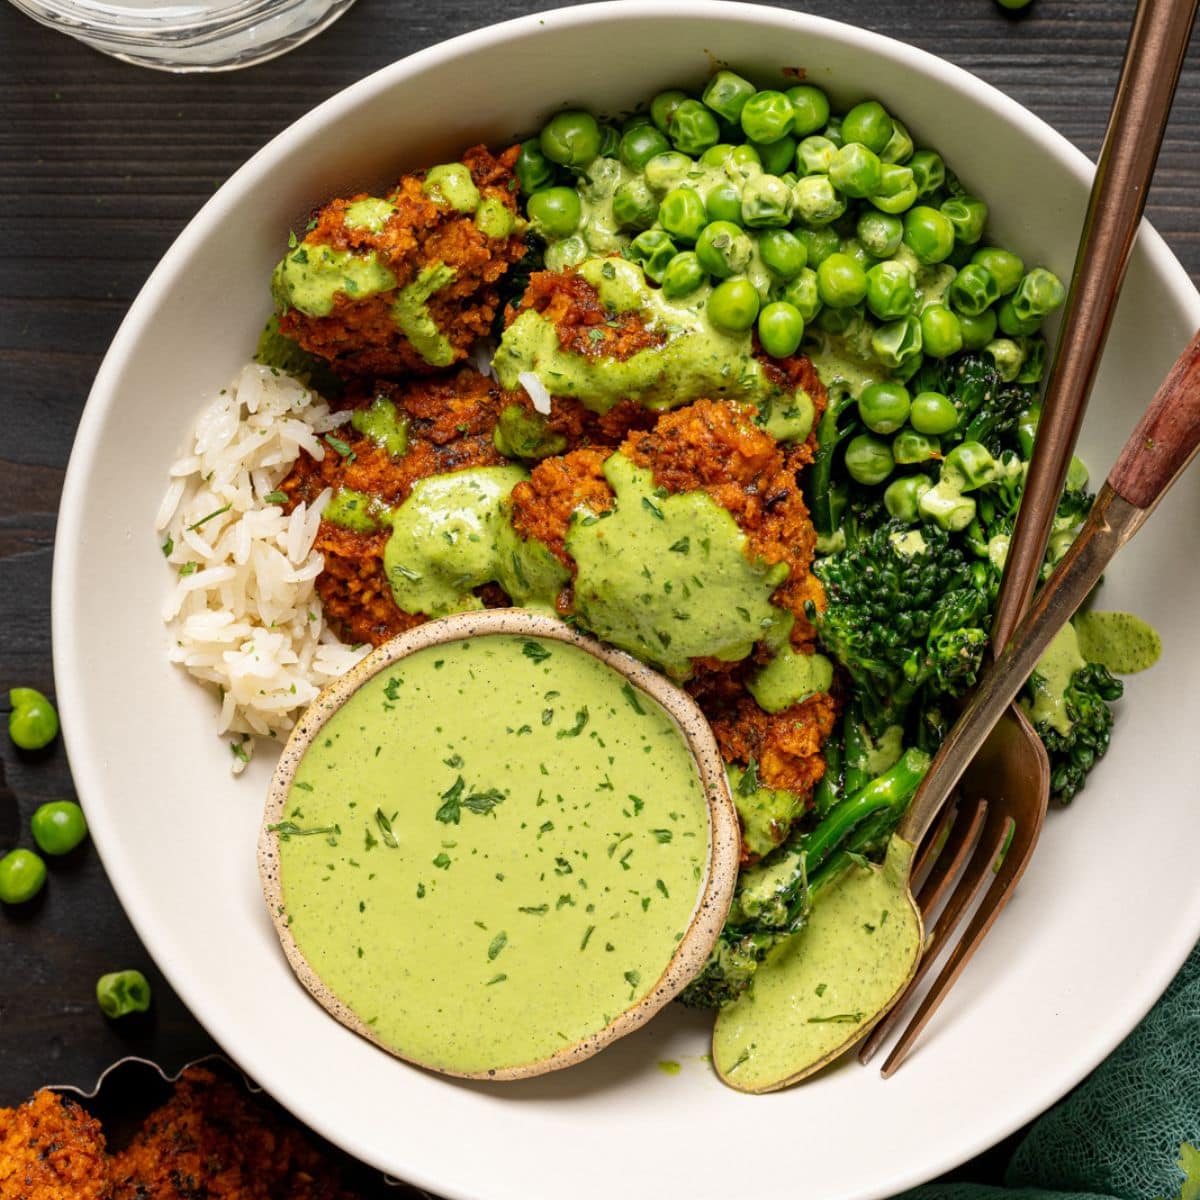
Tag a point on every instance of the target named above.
point(434, 981)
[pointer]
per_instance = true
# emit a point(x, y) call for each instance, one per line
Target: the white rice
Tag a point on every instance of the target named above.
point(242, 613)
point(537, 391)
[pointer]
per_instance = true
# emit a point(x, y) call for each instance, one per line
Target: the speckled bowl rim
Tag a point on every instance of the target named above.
point(714, 896)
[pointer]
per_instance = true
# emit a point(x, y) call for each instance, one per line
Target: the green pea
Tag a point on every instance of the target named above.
point(884, 406)
point(819, 243)
point(902, 496)
point(907, 369)
point(724, 249)
point(667, 170)
point(663, 106)
point(900, 145)
point(726, 94)
point(654, 250)
point(716, 156)
point(1038, 294)
point(810, 109)
point(122, 992)
point(683, 275)
point(973, 290)
point(802, 294)
point(636, 121)
point(693, 128)
point(855, 171)
point(634, 205)
point(1008, 357)
point(22, 875)
point(897, 342)
point(555, 212)
point(767, 116)
point(941, 334)
point(640, 144)
point(891, 290)
point(766, 201)
point(841, 282)
point(928, 234)
point(33, 721)
point(682, 214)
point(869, 459)
point(933, 412)
point(816, 201)
point(857, 251)
point(778, 156)
point(1027, 425)
point(532, 169)
point(780, 329)
point(815, 155)
point(910, 448)
point(1034, 366)
point(567, 252)
point(1014, 5)
point(610, 141)
point(977, 331)
point(929, 171)
point(869, 124)
point(782, 252)
point(1011, 323)
point(897, 190)
point(724, 203)
point(970, 465)
point(733, 305)
point(58, 827)
point(743, 162)
point(838, 321)
point(968, 215)
point(879, 233)
point(1005, 268)
point(833, 131)
point(571, 139)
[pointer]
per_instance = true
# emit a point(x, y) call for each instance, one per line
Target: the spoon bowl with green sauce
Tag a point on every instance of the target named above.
point(496, 846)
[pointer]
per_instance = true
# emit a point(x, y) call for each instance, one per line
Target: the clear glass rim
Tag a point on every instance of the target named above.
point(187, 43)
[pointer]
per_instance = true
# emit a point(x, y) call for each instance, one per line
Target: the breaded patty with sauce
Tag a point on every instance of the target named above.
point(405, 283)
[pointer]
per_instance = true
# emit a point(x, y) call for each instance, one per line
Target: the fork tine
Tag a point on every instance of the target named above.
point(1005, 850)
point(930, 851)
point(968, 832)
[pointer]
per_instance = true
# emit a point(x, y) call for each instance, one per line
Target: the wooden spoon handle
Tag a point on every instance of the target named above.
point(1166, 438)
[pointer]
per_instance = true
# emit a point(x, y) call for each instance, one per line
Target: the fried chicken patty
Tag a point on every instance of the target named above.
point(51, 1149)
point(360, 336)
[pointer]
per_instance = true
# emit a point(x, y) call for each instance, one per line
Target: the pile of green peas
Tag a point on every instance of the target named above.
point(790, 218)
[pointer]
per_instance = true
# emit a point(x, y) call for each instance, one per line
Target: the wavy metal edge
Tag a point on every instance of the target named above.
point(170, 1078)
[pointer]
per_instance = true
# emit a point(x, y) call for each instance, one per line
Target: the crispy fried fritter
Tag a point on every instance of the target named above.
point(716, 447)
point(51, 1149)
point(360, 336)
point(450, 424)
point(584, 325)
point(557, 489)
point(210, 1141)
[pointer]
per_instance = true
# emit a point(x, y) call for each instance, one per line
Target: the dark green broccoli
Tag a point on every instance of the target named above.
point(906, 610)
point(1086, 701)
point(827, 498)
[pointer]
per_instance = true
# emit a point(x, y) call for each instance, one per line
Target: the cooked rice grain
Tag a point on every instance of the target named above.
point(243, 614)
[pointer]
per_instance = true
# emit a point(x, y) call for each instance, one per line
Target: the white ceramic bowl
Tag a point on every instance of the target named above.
point(1104, 917)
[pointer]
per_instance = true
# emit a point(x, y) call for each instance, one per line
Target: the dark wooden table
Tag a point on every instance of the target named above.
point(101, 165)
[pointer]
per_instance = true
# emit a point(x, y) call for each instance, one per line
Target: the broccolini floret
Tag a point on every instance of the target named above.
point(1086, 701)
point(906, 610)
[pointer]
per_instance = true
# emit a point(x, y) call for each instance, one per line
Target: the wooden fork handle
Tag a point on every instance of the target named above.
point(1166, 438)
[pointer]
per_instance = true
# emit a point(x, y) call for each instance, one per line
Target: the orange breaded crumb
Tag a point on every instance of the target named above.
point(51, 1149)
point(360, 336)
point(557, 489)
point(210, 1141)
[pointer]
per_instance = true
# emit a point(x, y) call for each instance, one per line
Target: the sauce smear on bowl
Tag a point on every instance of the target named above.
point(490, 852)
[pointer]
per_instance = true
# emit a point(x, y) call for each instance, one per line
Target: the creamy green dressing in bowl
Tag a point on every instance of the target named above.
point(495, 846)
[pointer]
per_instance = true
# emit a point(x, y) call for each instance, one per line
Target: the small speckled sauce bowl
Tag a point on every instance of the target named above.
point(359, 880)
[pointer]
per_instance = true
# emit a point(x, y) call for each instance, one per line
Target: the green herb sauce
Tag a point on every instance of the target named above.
point(790, 678)
point(666, 577)
point(1050, 678)
point(410, 311)
point(353, 510)
point(500, 884)
point(383, 426)
point(370, 214)
point(1120, 641)
point(310, 277)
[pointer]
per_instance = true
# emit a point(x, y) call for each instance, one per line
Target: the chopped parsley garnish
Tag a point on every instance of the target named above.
point(749, 783)
point(662, 835)
point(534, 650)
point(496, 979)
point(633, 978)
point(586, 937)
point(276, 497)
point(189, 568)
point(289, 829)
point(343, 448)
point(239, 751)
point(837, 1019)
point(442, 862)
point(498, 944)
point(385, 829)
point(652, 508)
point(630, 695)
point(581, 720)
point(168, 546)
point(393, 687)
point(683, 546)
point(205, 520)
point(534, 910)
point(453, 802)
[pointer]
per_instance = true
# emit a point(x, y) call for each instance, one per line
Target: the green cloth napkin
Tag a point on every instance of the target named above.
point(1119, 1134)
